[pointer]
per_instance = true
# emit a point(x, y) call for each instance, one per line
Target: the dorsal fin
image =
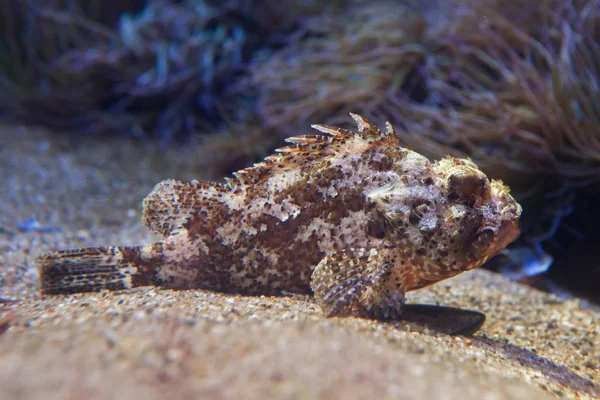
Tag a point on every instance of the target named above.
point(307, 148)
point(369, 130)
point(303, 149)
point(366, 130)
point(285, 159)
point(171, 203)
point(334, 131)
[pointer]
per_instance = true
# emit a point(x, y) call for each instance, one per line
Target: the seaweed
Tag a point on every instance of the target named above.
point(337, 63)
point(162, 69)
point(34, 37)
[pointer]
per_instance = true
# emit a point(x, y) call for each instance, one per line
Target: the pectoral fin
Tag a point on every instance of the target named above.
point(357, 282)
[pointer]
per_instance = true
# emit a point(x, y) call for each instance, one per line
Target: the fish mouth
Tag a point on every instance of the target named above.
point(507, 233)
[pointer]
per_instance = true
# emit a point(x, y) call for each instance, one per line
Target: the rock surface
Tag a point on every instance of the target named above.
point(153, 343)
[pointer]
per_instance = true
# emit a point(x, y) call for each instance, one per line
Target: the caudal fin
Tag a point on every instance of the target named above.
point(93, 269)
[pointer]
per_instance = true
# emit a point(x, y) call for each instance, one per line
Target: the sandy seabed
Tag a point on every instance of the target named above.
point(152, 343)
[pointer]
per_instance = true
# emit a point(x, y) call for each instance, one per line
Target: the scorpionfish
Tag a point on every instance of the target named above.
point(351, 217)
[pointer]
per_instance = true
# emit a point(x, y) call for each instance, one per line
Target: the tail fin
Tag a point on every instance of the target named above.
point(93, 269)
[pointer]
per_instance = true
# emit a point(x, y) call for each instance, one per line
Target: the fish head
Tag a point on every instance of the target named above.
point(447, 215)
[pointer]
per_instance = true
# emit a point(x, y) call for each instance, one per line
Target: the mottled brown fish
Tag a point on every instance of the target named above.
point(350, 216)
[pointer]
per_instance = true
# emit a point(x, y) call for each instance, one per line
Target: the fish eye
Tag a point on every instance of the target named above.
point(466, 188)
point(376, 229)
point(370, 204)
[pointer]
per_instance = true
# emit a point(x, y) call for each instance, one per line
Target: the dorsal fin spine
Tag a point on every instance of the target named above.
point(333, 130)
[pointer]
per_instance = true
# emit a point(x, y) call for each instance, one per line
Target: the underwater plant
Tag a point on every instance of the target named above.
point(150, 69)
point(337, 63)
point(33, 38)
point(159, 72)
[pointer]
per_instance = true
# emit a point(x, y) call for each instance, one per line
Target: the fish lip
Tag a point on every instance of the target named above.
point(507, 233)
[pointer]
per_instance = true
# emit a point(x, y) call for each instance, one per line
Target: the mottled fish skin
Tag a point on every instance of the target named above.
point(349, 216)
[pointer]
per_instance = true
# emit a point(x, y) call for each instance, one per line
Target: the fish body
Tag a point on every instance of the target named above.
point(349, 216)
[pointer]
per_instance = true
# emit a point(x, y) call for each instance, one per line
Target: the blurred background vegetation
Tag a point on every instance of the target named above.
point(513, 85)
